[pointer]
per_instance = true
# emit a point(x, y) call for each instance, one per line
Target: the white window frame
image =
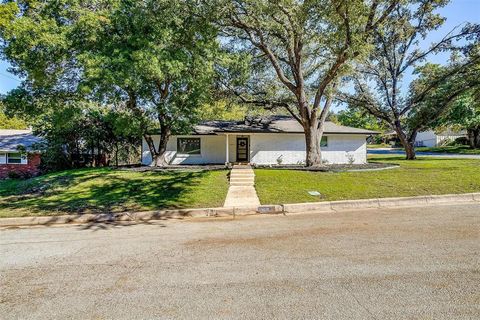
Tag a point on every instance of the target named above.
point(23, 158)
point(189, 154)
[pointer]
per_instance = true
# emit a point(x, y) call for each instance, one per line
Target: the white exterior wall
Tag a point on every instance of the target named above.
point(290, 148)
point(265, 149)
point(431, 139)
point(212, 149)
point(343, 147)
point(426, 139)
point(3, 158)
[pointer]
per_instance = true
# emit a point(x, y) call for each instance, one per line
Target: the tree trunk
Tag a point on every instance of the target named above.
point(473, 135)
point(158, 154)
point(116, 154)
point(313, 137)
point(159, 158)
point(408, 143)
point(410, 151)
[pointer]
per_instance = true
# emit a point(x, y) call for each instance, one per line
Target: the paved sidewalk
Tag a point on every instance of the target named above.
point(241, 192)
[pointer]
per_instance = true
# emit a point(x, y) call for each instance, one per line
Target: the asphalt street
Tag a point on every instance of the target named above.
point(415, 263)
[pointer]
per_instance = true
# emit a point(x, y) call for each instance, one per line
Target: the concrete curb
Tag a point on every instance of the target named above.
point(329, 206)
point(142, 216)
point(326, 206)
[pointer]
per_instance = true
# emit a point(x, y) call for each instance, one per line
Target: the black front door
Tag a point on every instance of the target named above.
point(242, 149)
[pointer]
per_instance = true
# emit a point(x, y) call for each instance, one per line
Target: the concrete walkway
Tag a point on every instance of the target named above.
point(241, 192)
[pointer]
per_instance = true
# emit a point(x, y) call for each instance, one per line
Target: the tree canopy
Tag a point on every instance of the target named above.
point(464, 109)
point(162, 63)
point(299, 50)
point(398, 50)
point(7, 122)
point(359, 119)
point(153, 57)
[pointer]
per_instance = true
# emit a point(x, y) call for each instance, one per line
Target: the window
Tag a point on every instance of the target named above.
point(324, 142)
point(188, 145)
point(14, 158)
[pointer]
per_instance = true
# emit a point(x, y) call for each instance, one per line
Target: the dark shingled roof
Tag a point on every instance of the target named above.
point(11, 139)
point(273, 124)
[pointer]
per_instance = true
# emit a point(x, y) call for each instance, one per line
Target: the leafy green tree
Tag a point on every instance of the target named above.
point(7, 122)
point(300, 50)
point(464, 112)
point(78, 133)
point(359, 119)
point(398, 50)
point(224, 110)
point(159, 56)
point(153, 57)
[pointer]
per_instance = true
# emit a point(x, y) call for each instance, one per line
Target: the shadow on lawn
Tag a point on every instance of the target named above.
point(43, 185)
point(115, 193)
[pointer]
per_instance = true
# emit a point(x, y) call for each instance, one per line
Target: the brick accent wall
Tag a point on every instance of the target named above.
point(31, 168)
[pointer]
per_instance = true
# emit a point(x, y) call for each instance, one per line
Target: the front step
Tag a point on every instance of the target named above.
point(242, 183)
point(241, 178)
point(241, 191)
point(242, 172)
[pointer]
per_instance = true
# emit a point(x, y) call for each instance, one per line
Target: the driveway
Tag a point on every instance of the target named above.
point(420, 263)
point(386, 151)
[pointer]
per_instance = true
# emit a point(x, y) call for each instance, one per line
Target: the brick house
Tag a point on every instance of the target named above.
point(18, 155)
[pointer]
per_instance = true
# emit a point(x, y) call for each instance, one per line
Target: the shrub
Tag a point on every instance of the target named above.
point(350, 158)
point(19, 175)
point(13, 175)
point(462, 141)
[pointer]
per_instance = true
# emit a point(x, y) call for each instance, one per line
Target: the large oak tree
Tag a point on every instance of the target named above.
point(154, 57)
point(300, 50)
point(464, 109)
point(399, 51)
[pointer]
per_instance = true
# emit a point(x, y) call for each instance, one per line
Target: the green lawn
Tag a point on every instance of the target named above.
point(107, 190)
point(420, 177)
point(451, 149)
point(377, 146)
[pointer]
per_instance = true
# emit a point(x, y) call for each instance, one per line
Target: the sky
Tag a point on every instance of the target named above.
point(456, 12)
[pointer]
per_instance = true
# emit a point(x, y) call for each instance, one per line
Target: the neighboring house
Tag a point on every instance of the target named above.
point(272, 141)
point(18, 156)
point(433, 139)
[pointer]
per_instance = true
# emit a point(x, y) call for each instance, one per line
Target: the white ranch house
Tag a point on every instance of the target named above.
point(435, 139)
point(272, 141)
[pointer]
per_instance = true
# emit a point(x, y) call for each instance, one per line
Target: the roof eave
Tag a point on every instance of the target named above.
point(296, 132)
